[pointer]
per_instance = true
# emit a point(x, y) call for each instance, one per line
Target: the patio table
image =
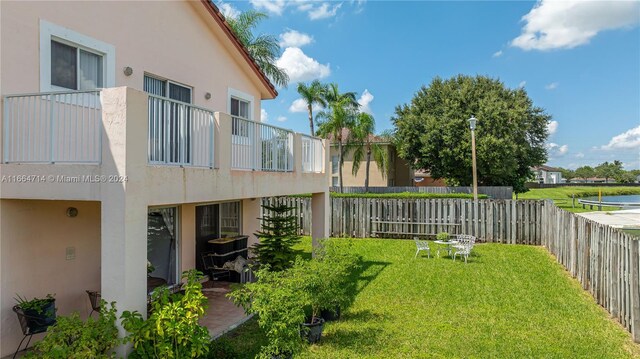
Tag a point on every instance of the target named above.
point(444, 245)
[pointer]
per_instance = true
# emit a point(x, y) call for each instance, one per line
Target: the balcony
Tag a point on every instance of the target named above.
point(67, 127)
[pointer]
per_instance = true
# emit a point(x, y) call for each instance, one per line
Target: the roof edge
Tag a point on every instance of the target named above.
point(220, 19)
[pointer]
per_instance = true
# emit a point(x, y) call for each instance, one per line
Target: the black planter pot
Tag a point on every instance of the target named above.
point(313, 331)
point(330, 315)
point(39, 321)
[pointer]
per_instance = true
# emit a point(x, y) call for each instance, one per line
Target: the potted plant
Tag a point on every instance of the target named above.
point(319, 289)
point(40, 313)
point(442, 236)
point(339, 265)
point(278, 299)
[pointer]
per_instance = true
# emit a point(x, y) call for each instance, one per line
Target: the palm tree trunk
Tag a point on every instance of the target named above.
point(310, 109)
point(366, 173)
point(340, 161)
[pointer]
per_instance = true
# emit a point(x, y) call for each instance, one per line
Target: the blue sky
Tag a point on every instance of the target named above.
point(579, 60)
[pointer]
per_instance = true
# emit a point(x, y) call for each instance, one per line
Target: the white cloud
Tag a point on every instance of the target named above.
point(301, 67)
point(264, 116)
point(293, 38)
point(522, 83)
point(228, 10)
point(497, 54)
point(281, 119)
point(552, 127)
point(300, 105)
point(324, 11)
point(275, 7)
point(627, 140)
point(552, 86)
point(556, 150)
point(364, 101)
point(579, 155)
point(565, 24)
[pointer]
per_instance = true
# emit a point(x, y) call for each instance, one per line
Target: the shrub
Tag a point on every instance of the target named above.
point(222, 348)
point(70, 337)
point(442, 236)
point(172, 329)
point(278, 235)
point(337, 263)
point(278, 300)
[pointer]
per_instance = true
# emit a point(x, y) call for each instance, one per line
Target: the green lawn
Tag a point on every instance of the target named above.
point(561, 196)
point(508, 302)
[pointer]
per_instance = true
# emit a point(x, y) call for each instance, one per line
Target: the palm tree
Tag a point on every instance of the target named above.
point(339, 115)
point(364, 145)
point(332, 94)
point(313, 94)
point(264, 49)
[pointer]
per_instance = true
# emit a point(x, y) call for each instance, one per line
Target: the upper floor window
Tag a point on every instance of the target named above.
point(335, 162)
point(75, 68)
point(72, 61)
point(240, 107)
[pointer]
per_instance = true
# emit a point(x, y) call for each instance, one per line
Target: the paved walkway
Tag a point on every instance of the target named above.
point(628, 219)
point(222, 315)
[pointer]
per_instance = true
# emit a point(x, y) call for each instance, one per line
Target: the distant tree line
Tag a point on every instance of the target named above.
point(607, 170)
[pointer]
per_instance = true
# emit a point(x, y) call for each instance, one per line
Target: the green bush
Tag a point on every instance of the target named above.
point(442, 236)
point(278, 300)
point(222, 348)
point(172, 329)
point(70, 337)
point(337, 263)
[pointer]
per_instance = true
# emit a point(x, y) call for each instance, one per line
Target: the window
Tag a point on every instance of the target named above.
point(72, 61)
point(240, 109)
point(170, 122)
point(335, 181)
point(75, 68)
point(335, 163)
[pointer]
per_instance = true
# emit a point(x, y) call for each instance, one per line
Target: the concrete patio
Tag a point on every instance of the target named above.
point(222, 315)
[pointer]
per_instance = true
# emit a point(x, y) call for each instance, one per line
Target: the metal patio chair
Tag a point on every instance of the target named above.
point(422, 245)
point(464, 245)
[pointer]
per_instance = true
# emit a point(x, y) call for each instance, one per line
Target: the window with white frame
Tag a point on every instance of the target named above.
point(73, 61)
point(240, 109)
point(335, 162)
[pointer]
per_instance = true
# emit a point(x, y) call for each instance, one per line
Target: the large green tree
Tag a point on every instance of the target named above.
point(609, 170)
point(263, 48)
point(312, 94)
point(585, 172)
point(432, 131)
point(365, 145)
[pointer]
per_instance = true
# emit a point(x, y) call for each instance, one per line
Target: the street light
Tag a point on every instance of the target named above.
point(472, 126)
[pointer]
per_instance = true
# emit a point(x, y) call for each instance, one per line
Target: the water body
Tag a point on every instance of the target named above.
point(631, 198)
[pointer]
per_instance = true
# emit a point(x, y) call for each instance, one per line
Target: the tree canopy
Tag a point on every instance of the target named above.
point(432, 131)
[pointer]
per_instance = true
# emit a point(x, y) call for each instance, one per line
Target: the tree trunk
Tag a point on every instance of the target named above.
point(310, 109)
point(340, 161)
point(366, 173)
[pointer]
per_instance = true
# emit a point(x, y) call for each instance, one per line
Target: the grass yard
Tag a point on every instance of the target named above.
point(561, 196)
point(508, 302)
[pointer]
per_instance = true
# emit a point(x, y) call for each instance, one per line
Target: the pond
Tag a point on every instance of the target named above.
point(631, 198)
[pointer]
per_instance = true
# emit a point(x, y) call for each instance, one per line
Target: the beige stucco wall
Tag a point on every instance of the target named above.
point(35, 235)
point(177, 40)
point(375, 175)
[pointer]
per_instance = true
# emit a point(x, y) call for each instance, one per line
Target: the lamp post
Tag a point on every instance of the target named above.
point(472, 126)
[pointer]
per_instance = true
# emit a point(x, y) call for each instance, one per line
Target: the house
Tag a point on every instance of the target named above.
point(398, 171)
point(546, 174)
point(130, 132)
point(423, 178)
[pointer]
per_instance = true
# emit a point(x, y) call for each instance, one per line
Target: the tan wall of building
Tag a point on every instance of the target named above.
point(399, 173)
point(35, 236)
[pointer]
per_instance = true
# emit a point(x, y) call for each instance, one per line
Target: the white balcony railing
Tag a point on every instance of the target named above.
point(54, 127)
point(312, 154)
point(180, 133)
point(261, 147)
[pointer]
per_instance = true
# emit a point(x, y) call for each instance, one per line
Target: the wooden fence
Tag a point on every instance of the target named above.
point(604, 260)
point(493, 192)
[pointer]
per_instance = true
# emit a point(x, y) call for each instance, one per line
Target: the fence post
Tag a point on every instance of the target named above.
point(635, 294)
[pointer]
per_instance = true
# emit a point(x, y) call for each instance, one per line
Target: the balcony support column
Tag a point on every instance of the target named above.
point(124, 203)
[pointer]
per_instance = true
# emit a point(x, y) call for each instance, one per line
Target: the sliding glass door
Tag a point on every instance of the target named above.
point(162, 244)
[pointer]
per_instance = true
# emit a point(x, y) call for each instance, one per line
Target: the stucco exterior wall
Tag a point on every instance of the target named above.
point(176, 40)
point(375, 175)
point(35, 236)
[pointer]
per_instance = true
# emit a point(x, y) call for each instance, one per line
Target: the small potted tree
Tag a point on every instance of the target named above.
point(278, 298)
point(40, 313)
